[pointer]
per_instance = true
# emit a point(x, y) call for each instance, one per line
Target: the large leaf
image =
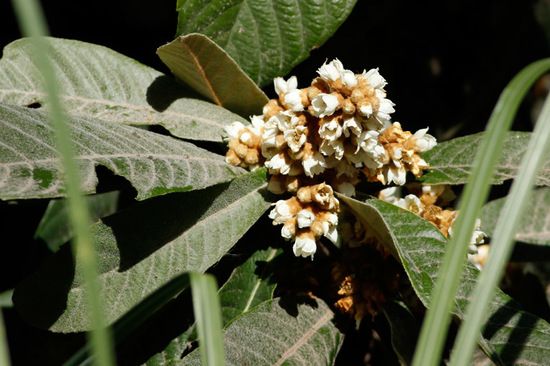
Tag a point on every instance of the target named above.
point(54, 227)
point(451, 162)
point(511, 334)
point(535, 224)
point(155, 164)
point(98, 82)
point(205, 67)
point(266, 38)
point(143, 248)
point(248, 286)
point(281, 331)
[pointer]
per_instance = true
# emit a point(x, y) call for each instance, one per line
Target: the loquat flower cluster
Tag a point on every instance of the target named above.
point(325, 137)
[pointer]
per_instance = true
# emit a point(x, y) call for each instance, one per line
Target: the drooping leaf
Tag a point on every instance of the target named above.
point(248, 286)
point(266, 38)
point(100, 83)
point(511, 334)
point(54, 226)
point(281, 332)
point(404, 330)
point(205, 67)
point(143, 248)
point(451, 162)
point(535, 224)
point(154, 164)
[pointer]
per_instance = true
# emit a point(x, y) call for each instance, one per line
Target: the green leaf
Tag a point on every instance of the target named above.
point(281, 331)
point(451, 162)
point(98, 82)
point(535, 223)
point(511, 334)
point(54, 226)
point(205, 67)
point(141, 249)
point(266, 38)
point(404, 330)
point(154, 164)
point(248, 286)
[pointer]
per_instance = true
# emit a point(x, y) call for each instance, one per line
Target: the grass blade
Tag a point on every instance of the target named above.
point(436, 324)
point(206, 306)
point(33, 24)
point(502, 246)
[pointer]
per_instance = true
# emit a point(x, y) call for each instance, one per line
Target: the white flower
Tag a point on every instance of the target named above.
point(331, 71)
point(258, 124)
point(280, 213)
point(304, 246)
point(278, 165)
point(348, 78)
point(410, 203)
point(282, 86)
point(330, 130)
point(234, 129)
point(375, 79)
point(324, 105)
point(383, 113)
point(288, 231)
point(478, 236)
point(391, 195)
point(315, 164)
point(424, 141)
point(333, 148)
point(352, 126)
point(305, 218)
point(293, 100)
point(332, 234)
point(396, 175)
point(366, 110)
point(282, 120)
point(295, 138)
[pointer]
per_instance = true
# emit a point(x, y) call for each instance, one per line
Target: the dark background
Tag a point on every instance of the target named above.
point(446, 64)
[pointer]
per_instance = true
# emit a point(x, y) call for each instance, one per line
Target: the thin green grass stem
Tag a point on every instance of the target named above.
point(33, 24)
point(4, 349)
point(436, 324)
point(502, 242)
point(206, 306)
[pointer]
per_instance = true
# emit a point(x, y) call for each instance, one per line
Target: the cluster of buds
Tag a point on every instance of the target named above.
point(307, 217)
point(328, 133)
point(428, 201)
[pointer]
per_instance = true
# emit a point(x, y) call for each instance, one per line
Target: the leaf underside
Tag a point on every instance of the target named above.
point(247, 287)
point(266, 38)
point(534, 227)
point(205, 67)
point(141, 249)
point(452, 162)
point(511, 334)
point(283, 331)
point(154, 164)
point(97, 82)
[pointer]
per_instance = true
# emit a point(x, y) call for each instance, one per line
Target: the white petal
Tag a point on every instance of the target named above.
point(293, 100)
point(304, 246)
point(305, 218)
point(332, 234)
point(324, 104)
point(348, 78)
point(234, 129)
